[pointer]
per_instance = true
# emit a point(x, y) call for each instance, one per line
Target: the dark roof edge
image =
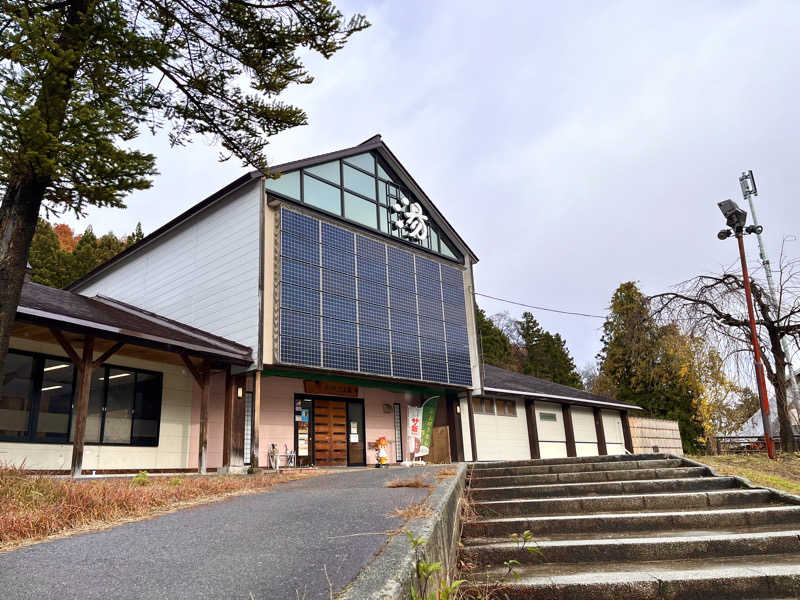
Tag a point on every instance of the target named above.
point(575, 399)
point(184, 216)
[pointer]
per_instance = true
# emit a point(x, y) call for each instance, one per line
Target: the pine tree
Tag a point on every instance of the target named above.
point(650, 365)
point(108, 246)
point(84, 258)
point(46, 257)
point(494, 342)
point(546, 355)
point(136, 236)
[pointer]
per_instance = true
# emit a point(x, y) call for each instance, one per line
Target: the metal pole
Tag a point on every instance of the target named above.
point(762, 387)
point(773, 297)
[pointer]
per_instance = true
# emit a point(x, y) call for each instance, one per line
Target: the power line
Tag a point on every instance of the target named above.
point(555, 310)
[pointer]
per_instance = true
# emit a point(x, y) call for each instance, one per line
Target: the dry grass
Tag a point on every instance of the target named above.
point(782, 473)
point(415, 510)
point(410, 482)
point(445, 473)
point(33, 507)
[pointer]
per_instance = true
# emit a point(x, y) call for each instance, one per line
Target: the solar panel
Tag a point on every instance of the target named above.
point(335, 306)
point(339, 357)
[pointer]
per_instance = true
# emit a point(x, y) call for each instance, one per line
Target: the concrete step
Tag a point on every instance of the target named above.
point(612, 465)
point(623, 503)
point(590, 476)
point(725, 578)
point(648, 486)
point(599, 524)
point(567, 460)
point(672, 547)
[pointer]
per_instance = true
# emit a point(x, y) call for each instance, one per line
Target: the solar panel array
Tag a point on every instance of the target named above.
point(352, 303)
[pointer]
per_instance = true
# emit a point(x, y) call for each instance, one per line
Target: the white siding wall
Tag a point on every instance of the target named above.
point(469, 290)
point(465, 434)
point(203, 273)
point(585, 431)
point(552, 436)
point(612, 427)
point(501, 437)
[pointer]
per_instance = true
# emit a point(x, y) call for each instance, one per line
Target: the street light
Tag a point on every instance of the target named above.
point(736, 219)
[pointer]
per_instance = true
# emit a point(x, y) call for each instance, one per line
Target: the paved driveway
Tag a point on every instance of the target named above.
point(272, 545)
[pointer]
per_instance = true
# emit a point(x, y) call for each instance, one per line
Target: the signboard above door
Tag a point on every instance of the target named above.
point(330, 388)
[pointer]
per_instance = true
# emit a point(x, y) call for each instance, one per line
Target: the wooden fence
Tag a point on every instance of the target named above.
point(655, 435)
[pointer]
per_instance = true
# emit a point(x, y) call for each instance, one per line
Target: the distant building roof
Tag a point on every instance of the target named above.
point(501, 381)
point(111, 319)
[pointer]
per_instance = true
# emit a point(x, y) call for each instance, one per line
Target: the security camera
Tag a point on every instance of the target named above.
point(735, 217)
point(757, 229)
point(724, 234)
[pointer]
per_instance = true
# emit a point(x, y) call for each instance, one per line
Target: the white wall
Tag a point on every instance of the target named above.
point(612, 427)
point(500, 437)
point(465, 433)
point(173, 440)
point(585, 431)
point(552, 435)
point(203, 273)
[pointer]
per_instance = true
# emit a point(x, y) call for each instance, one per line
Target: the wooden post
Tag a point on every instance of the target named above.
point(626, 431)
point(472, 440)
point(533, 432)
point(569, 429)
point(85, 367)
point(602, 449)
point(256, 420)
point(202, 448)
point(227, 427)
point(454, 423)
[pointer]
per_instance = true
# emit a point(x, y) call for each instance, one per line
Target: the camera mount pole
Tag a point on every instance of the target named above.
point(748, 183)
point(762, 386)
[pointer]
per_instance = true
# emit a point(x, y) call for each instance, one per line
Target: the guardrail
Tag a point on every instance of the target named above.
point(728, 444)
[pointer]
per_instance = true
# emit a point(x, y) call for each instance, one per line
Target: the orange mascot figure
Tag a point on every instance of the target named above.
point(381, 444)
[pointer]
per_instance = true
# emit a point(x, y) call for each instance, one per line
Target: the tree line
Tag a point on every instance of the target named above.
point(645, 360)
point(58, 256)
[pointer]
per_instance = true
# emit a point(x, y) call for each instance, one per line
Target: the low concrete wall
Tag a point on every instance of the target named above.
point(392, 573)
point(655, 435)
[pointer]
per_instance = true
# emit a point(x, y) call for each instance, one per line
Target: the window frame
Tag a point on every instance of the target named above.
point(506, 403)
point(34, 392)
point(483, 402)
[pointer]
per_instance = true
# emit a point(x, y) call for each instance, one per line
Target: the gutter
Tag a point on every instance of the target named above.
point(570, 398)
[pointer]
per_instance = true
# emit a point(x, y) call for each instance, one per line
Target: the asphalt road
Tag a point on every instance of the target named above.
point(272, 545)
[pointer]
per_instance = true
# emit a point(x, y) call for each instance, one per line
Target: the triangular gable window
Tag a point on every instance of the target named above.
point(362, 190)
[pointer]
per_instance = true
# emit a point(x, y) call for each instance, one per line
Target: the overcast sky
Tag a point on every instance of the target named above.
point(574, 145)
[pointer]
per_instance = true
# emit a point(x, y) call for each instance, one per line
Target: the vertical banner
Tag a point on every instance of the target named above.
point(428, 416)
point(414, 428)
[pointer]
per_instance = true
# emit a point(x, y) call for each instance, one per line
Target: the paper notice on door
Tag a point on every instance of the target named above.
point(353, 438)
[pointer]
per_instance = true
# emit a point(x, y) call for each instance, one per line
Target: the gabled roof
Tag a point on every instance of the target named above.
point(111, 319)
point(374, 143)
point(501, 381)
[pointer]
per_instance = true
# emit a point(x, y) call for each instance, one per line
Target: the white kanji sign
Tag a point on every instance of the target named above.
point(411, 222)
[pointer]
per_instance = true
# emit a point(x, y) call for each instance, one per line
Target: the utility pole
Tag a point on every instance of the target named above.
point(748, 184)
point(736, 220)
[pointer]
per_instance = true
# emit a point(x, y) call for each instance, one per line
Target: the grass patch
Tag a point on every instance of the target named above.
point(445, 473)
point(410, 482)
point(782, 473)
point(33, 507)
point(415, 510)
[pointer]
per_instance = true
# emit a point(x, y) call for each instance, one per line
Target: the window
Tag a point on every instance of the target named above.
point(360, 190)
point(548, 416)
point(484, 406)
point(506, 408)
point(38, 394)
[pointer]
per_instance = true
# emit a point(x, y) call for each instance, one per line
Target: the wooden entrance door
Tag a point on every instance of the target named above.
point(330, 433)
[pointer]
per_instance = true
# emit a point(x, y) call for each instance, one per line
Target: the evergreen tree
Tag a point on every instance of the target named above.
point(136, 236)
point(84, 258)
point(650, 365)
point(81, 78)
point(108, 246)
point(46, 257)
point(494, 342)
point(546, 355)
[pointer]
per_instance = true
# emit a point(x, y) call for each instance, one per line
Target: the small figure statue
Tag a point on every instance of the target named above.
point(380, 447)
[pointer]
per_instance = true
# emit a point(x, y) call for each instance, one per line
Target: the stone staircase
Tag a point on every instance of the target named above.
point(632, 527)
